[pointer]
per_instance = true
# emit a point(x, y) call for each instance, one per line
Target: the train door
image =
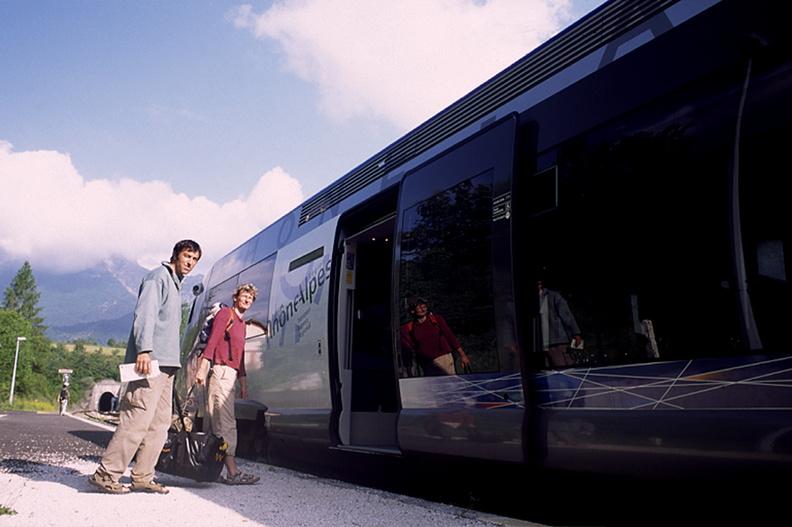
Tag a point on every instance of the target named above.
point(459, 368)
point(367, 400)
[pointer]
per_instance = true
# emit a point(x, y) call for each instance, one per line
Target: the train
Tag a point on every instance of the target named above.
point(623, 182)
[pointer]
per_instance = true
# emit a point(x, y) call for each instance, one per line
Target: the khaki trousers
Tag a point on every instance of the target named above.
point(145, 416)
point(221, 395)
point(442, 365)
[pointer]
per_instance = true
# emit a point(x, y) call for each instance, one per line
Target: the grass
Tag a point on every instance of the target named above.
point(6, 511)
point(28, 405)
point(91, 348)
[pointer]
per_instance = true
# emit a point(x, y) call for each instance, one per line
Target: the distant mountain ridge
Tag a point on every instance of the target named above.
point(95, 303)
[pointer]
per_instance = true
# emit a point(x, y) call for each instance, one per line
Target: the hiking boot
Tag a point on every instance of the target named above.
point(149, 486)
point(106, 484)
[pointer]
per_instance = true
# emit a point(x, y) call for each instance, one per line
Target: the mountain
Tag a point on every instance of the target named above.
point(99, 331)
point(95, 303)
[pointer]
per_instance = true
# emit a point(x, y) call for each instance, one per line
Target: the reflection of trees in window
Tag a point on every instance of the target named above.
point(446, 258)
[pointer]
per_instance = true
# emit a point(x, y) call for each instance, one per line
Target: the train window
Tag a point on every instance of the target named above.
point(765, 213)
point(446, 263)
point(636, 263)
point(306, 259)
point(259, 275)
point(222, 293)
point(231, 263)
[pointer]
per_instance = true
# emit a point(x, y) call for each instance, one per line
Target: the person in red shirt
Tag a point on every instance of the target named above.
point(429, 339)
point(225, 354)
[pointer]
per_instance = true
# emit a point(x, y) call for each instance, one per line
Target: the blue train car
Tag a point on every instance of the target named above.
point(602, 227)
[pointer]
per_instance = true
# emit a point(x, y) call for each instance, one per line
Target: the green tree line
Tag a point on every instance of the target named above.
point(37, 379)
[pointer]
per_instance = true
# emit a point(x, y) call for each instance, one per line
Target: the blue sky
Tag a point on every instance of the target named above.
point(132, 124)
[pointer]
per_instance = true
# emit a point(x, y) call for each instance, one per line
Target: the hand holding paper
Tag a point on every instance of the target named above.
point(129, 373)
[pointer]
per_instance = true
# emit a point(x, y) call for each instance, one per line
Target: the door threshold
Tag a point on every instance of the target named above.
point(385, 451)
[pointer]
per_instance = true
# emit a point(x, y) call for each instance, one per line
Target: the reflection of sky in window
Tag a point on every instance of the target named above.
point(260, 275)
point(234, 262)
point(222, 293)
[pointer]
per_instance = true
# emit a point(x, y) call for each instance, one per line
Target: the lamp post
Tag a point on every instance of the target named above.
point(13, 375)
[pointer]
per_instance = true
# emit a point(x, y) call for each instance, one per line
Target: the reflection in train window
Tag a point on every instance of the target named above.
point(446, 259)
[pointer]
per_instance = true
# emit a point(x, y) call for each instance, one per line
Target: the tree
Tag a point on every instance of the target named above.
point(31, 371)
point(22, 296)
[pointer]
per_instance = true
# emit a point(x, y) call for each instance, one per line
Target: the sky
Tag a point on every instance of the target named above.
point(128, 125)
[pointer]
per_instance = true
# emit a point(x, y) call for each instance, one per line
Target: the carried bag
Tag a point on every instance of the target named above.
point(191, 454)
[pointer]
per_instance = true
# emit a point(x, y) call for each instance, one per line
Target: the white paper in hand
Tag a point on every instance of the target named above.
point(128, 373)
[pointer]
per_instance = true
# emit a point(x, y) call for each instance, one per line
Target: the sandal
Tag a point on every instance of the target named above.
point(240, 478)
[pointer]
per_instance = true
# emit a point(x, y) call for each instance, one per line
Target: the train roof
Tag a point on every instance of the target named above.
point(591, 32)
point(588, 41)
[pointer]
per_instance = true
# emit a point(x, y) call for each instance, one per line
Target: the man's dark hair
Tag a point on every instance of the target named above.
point(185, 245)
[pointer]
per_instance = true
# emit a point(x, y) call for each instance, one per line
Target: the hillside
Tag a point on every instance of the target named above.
point(93, 304)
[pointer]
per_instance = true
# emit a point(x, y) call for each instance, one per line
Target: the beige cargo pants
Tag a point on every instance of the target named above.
point(145, 416)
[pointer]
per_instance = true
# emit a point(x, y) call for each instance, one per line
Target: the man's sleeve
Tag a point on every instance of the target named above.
point(567, 317)
point(146, 314)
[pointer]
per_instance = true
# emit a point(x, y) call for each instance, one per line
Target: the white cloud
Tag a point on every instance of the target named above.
point(53, 217)
point(406, 60)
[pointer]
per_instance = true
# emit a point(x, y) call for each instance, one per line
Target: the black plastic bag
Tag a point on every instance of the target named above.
point(195, 455)
point(191, 454)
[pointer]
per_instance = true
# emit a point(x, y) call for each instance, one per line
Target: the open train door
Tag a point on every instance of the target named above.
point(365, 399)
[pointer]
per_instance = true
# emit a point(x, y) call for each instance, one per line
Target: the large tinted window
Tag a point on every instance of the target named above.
point(765, 212)
point(446, 259)
point(635, 259)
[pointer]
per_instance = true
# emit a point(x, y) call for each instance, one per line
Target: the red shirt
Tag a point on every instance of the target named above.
point(430, 338)
point(227, 347)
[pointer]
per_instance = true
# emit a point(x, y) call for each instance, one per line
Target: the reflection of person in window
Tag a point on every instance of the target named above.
point(429, 339)
point(559, 328)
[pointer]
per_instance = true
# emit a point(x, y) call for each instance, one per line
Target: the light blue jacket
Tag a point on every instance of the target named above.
point(157, 319)
point(561, 322)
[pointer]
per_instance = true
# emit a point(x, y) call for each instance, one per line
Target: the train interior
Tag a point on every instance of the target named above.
point(367, 380)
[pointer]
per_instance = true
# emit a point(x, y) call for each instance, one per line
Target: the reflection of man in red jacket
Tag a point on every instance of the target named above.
point(431, 341)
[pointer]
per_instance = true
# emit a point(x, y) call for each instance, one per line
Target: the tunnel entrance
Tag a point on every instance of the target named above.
point(106, 402)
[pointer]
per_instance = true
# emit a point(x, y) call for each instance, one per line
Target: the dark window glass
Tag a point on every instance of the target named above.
point(765, 211)
point(542, 191)
point(446, 259)
point(636, 262)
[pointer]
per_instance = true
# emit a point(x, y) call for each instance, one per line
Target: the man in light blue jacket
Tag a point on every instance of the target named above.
point(145, 410)
point(559, 328)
